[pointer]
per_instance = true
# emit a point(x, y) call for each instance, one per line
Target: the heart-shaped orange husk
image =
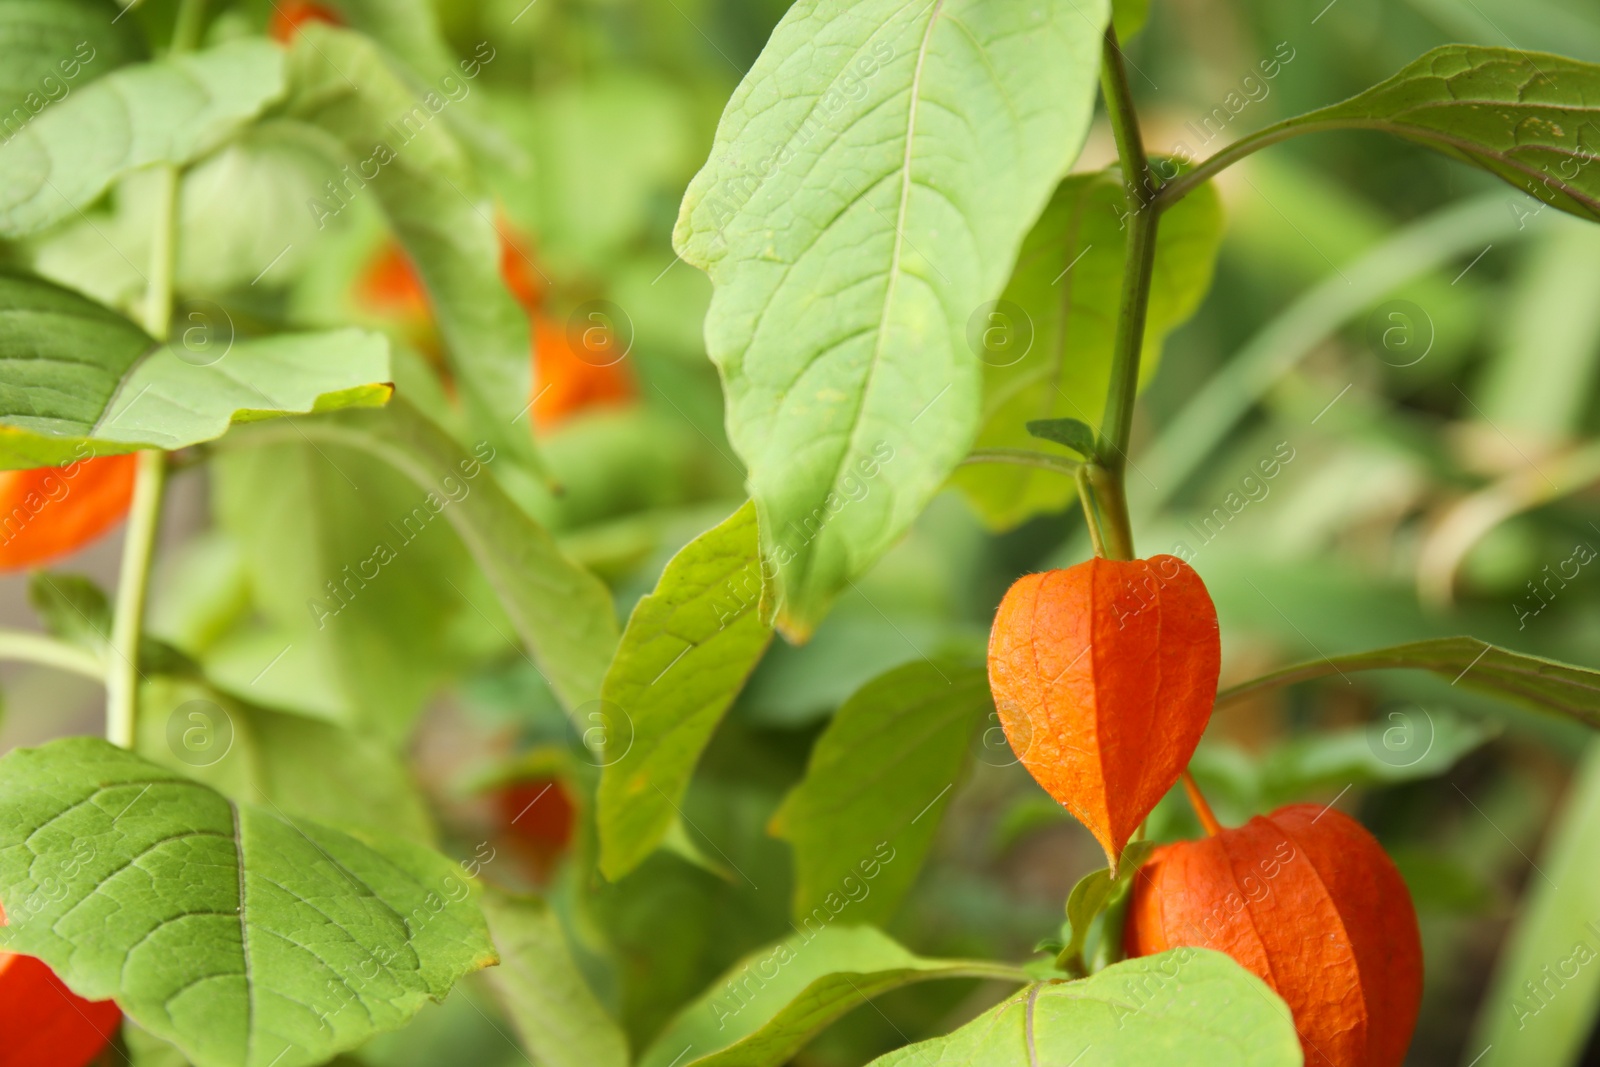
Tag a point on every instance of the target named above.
point(45, 1024)
point(1307, 900)
point(1104, 675)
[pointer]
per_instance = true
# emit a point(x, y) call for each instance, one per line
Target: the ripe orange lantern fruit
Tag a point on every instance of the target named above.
point(539, 817)
point(1104, 676)
point(1307, 900)
point(45, 1024)
point(571, 379)
point(51, 511)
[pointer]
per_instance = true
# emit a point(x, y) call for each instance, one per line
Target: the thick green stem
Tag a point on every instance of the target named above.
point(191, 21)
point(48, 652)
point(1142, 221)
point(127, 624)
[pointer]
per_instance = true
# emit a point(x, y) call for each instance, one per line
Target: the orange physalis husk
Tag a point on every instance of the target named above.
point(289, 15)
point(570, 379)
point(45, 1024)
point(1104, 675)
point(51, 511)
point(538, 818)
point(1306, 900)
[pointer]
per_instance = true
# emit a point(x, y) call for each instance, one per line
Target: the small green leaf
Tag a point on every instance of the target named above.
point(563, 613)
point(1528, 118)
point(879, 779)
point(1190, 1006)
point(1074, 433)
point(72, 607)
point(243, 938)
point(1403, 745)
point(1063, 295)
point(871, 180)
point(1089, 899)
point(423, 181)
point(543, 992)
point(687, 651)
point(772, 1002)
point(1529, 681)
point(82, 380)
point(1524, 1016)
point(173, 110)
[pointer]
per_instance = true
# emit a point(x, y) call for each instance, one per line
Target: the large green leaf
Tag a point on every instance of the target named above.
point(685, 655)
point(1553, 941)
point(1529, 681)
point(871, 181)
point(1190, 1006)
point(173, 110)
point(52, 48)
point(245, 939)
point(879, 780)
point(82, 380)
point(543, 992)
point(1529, 118)
point(563, 613)
point(423, 181)
point(772, 1002)
point(1066, 290)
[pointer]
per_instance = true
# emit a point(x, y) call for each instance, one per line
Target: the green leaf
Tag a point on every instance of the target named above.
point(1528, 681)
point(425, 185)
point(52, 48)
point(1555, 933)
point(297, 766)
point(1061, 306)
point(72, 607)
point(1190, 1006)
point(1129, 16)
point(560, 1022)
point(241, 937)
point(687, 650)
point(1404, 745)
point(563, 613)
point(82, 380)
point(871, 181)
point(1090, 898)
point(880, 777)
point(173, 110)
point(772, 1002)
point(1528, 118)
point(1074, 433)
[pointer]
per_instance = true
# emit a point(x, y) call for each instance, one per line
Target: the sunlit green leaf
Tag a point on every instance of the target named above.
point(685, 654)
point(172, 110)
point(870, 184)
point(1048, 355)
point(1529, 681)
point(1527, 117)
point(81, 380)
point(1190, 1006)
point(243, 938)
point(879, 780)
point(553, 1010)
point(771, 1003)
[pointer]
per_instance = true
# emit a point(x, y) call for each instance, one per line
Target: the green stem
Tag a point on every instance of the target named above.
point(127, 624)
point(1142, 222)
point(1086, 496)
point(1181, 187)
point(27, 647)
point(191, 21)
